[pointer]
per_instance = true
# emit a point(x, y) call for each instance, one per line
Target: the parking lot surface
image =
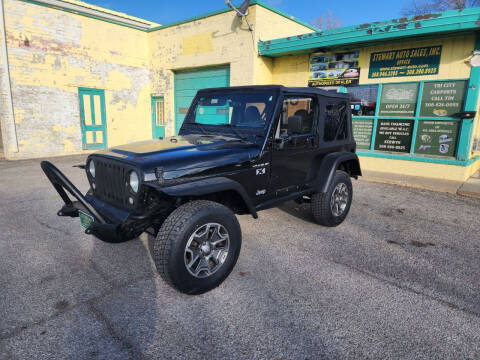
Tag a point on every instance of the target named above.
point(398, 279)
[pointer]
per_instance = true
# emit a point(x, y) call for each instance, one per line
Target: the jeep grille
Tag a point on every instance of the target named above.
point(110, 182)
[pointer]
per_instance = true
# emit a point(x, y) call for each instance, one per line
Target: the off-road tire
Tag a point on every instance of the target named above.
point(321, 202)
point(171, 240)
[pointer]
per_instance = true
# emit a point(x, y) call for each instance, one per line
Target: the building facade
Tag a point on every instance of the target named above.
point(77, 78)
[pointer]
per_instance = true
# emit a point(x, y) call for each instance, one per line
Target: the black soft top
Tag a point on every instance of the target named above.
point(280, 88)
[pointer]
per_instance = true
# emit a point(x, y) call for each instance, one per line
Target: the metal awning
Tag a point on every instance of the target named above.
point(429, 25)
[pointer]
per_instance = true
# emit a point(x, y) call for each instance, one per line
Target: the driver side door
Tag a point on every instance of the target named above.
point(294, 145)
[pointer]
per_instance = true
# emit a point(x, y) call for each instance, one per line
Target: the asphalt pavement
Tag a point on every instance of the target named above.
point(399, 279)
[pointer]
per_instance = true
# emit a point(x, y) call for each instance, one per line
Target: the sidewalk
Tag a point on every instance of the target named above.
point(447, 186)
point(471, 187)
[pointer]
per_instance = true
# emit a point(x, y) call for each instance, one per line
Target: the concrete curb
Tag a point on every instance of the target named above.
point(439, 185)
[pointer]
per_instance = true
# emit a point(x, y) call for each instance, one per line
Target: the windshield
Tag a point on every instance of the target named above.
point(245, 112)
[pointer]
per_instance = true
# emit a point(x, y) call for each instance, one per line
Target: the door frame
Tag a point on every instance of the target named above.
point(311, 141)
point(100, 92)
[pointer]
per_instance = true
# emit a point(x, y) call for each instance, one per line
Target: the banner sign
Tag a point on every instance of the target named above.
point(436, 138)
point(334, 69)
point(405, 62)
point(442, 98)
point(398, 99)
point(362, 132)
point(394, 135)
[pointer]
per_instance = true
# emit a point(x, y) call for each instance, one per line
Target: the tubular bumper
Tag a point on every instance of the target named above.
point(104, 228)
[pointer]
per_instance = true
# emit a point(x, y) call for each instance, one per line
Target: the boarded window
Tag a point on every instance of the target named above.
point(160, 112)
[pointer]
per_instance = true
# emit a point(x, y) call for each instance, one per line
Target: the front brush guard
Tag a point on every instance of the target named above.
point(101, 227)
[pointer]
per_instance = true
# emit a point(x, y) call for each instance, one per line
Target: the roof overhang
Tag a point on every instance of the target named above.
point(95, 12)
point(420, 26)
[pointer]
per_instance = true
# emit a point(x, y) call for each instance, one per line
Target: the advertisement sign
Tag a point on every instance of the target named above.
point(436, 138)
point(398, 99)
point(405, 62)
point(362, 132)
point(442, 98)
point(394, 135)
point(334, 69)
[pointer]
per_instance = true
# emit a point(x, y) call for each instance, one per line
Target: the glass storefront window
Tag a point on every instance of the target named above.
point(419, 118)
point(364, 99)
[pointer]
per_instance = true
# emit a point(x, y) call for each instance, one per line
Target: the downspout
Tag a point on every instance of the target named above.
point(8, 124)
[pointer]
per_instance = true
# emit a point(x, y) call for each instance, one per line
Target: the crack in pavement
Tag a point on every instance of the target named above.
point(19, 329)
point(133, 349)
point(405, 287)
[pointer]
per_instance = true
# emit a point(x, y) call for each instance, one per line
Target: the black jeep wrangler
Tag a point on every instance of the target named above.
point(239, 150)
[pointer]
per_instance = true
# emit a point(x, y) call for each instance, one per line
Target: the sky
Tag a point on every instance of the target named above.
point(350, 12)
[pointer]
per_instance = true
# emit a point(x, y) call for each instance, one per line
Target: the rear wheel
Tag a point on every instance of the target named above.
point(197, 246)
point(332, 207)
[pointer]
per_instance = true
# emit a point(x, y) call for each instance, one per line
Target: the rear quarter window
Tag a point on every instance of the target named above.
point(336, 120)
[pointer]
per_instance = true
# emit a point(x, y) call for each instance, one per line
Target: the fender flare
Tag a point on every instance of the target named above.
point(208, 186)
point(329, 166)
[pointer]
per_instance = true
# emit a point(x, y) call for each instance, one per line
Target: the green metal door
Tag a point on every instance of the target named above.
point(188, 82)
point(158, 116)
point(93, 118)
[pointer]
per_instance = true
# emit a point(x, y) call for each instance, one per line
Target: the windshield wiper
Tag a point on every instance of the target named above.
point(200, 126)
point(235, 131)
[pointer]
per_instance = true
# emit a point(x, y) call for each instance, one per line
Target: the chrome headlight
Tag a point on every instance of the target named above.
point(134, 181)
point(91, 168)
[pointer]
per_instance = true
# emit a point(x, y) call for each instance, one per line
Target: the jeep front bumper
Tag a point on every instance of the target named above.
point(109, 224)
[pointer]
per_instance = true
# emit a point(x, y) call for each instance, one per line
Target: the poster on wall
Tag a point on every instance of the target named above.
point(394, 135)
point(398, 99)
point(442, 98)
point(405, 62)
point(362, 132)
point(436, 138)
point(334, 69)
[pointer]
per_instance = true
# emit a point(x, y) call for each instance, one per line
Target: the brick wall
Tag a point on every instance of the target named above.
point(51, 54)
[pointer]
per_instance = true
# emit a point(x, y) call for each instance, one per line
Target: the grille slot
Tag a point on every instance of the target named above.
point(110, 182)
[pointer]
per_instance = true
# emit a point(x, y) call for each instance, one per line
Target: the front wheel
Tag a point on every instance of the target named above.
point(331, 208)
point(197, 246)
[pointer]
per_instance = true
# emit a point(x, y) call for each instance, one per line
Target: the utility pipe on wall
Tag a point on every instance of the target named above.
point(9, 133)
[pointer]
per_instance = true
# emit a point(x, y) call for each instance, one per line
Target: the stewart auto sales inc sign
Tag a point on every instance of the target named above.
point(405, 62)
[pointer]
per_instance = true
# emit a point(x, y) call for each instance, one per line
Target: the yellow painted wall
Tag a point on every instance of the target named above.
point(217, 40)
point(291, 70)
point(270, 25)
point(51, 54)
point(294, 70)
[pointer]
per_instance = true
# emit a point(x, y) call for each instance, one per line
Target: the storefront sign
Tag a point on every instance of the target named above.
point(334, 69)
point(405, 62)
point(442, 98)
point(398, 99)
point(362, 132)
point(436, 138)
point(394, 135)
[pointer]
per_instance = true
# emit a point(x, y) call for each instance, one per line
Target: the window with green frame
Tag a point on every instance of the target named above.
point(410, 118)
